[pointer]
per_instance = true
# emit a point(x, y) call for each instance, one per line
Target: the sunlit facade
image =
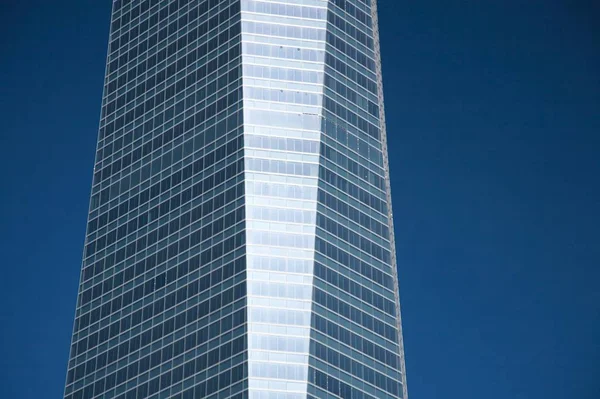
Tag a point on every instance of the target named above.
point(240, 236)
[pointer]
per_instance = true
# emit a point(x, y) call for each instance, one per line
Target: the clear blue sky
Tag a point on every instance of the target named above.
point(493, 112)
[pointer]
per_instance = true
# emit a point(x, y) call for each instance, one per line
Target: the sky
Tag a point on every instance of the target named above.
point(493, 120)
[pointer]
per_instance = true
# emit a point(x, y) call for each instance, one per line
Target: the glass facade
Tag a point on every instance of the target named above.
point(240, 238)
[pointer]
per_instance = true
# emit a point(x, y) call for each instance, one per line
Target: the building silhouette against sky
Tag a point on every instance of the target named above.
point(239, 240)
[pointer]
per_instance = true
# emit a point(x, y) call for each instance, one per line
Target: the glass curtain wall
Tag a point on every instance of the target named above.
point(240, 241)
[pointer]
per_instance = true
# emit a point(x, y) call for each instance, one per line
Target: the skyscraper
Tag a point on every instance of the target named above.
point(240, 239)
